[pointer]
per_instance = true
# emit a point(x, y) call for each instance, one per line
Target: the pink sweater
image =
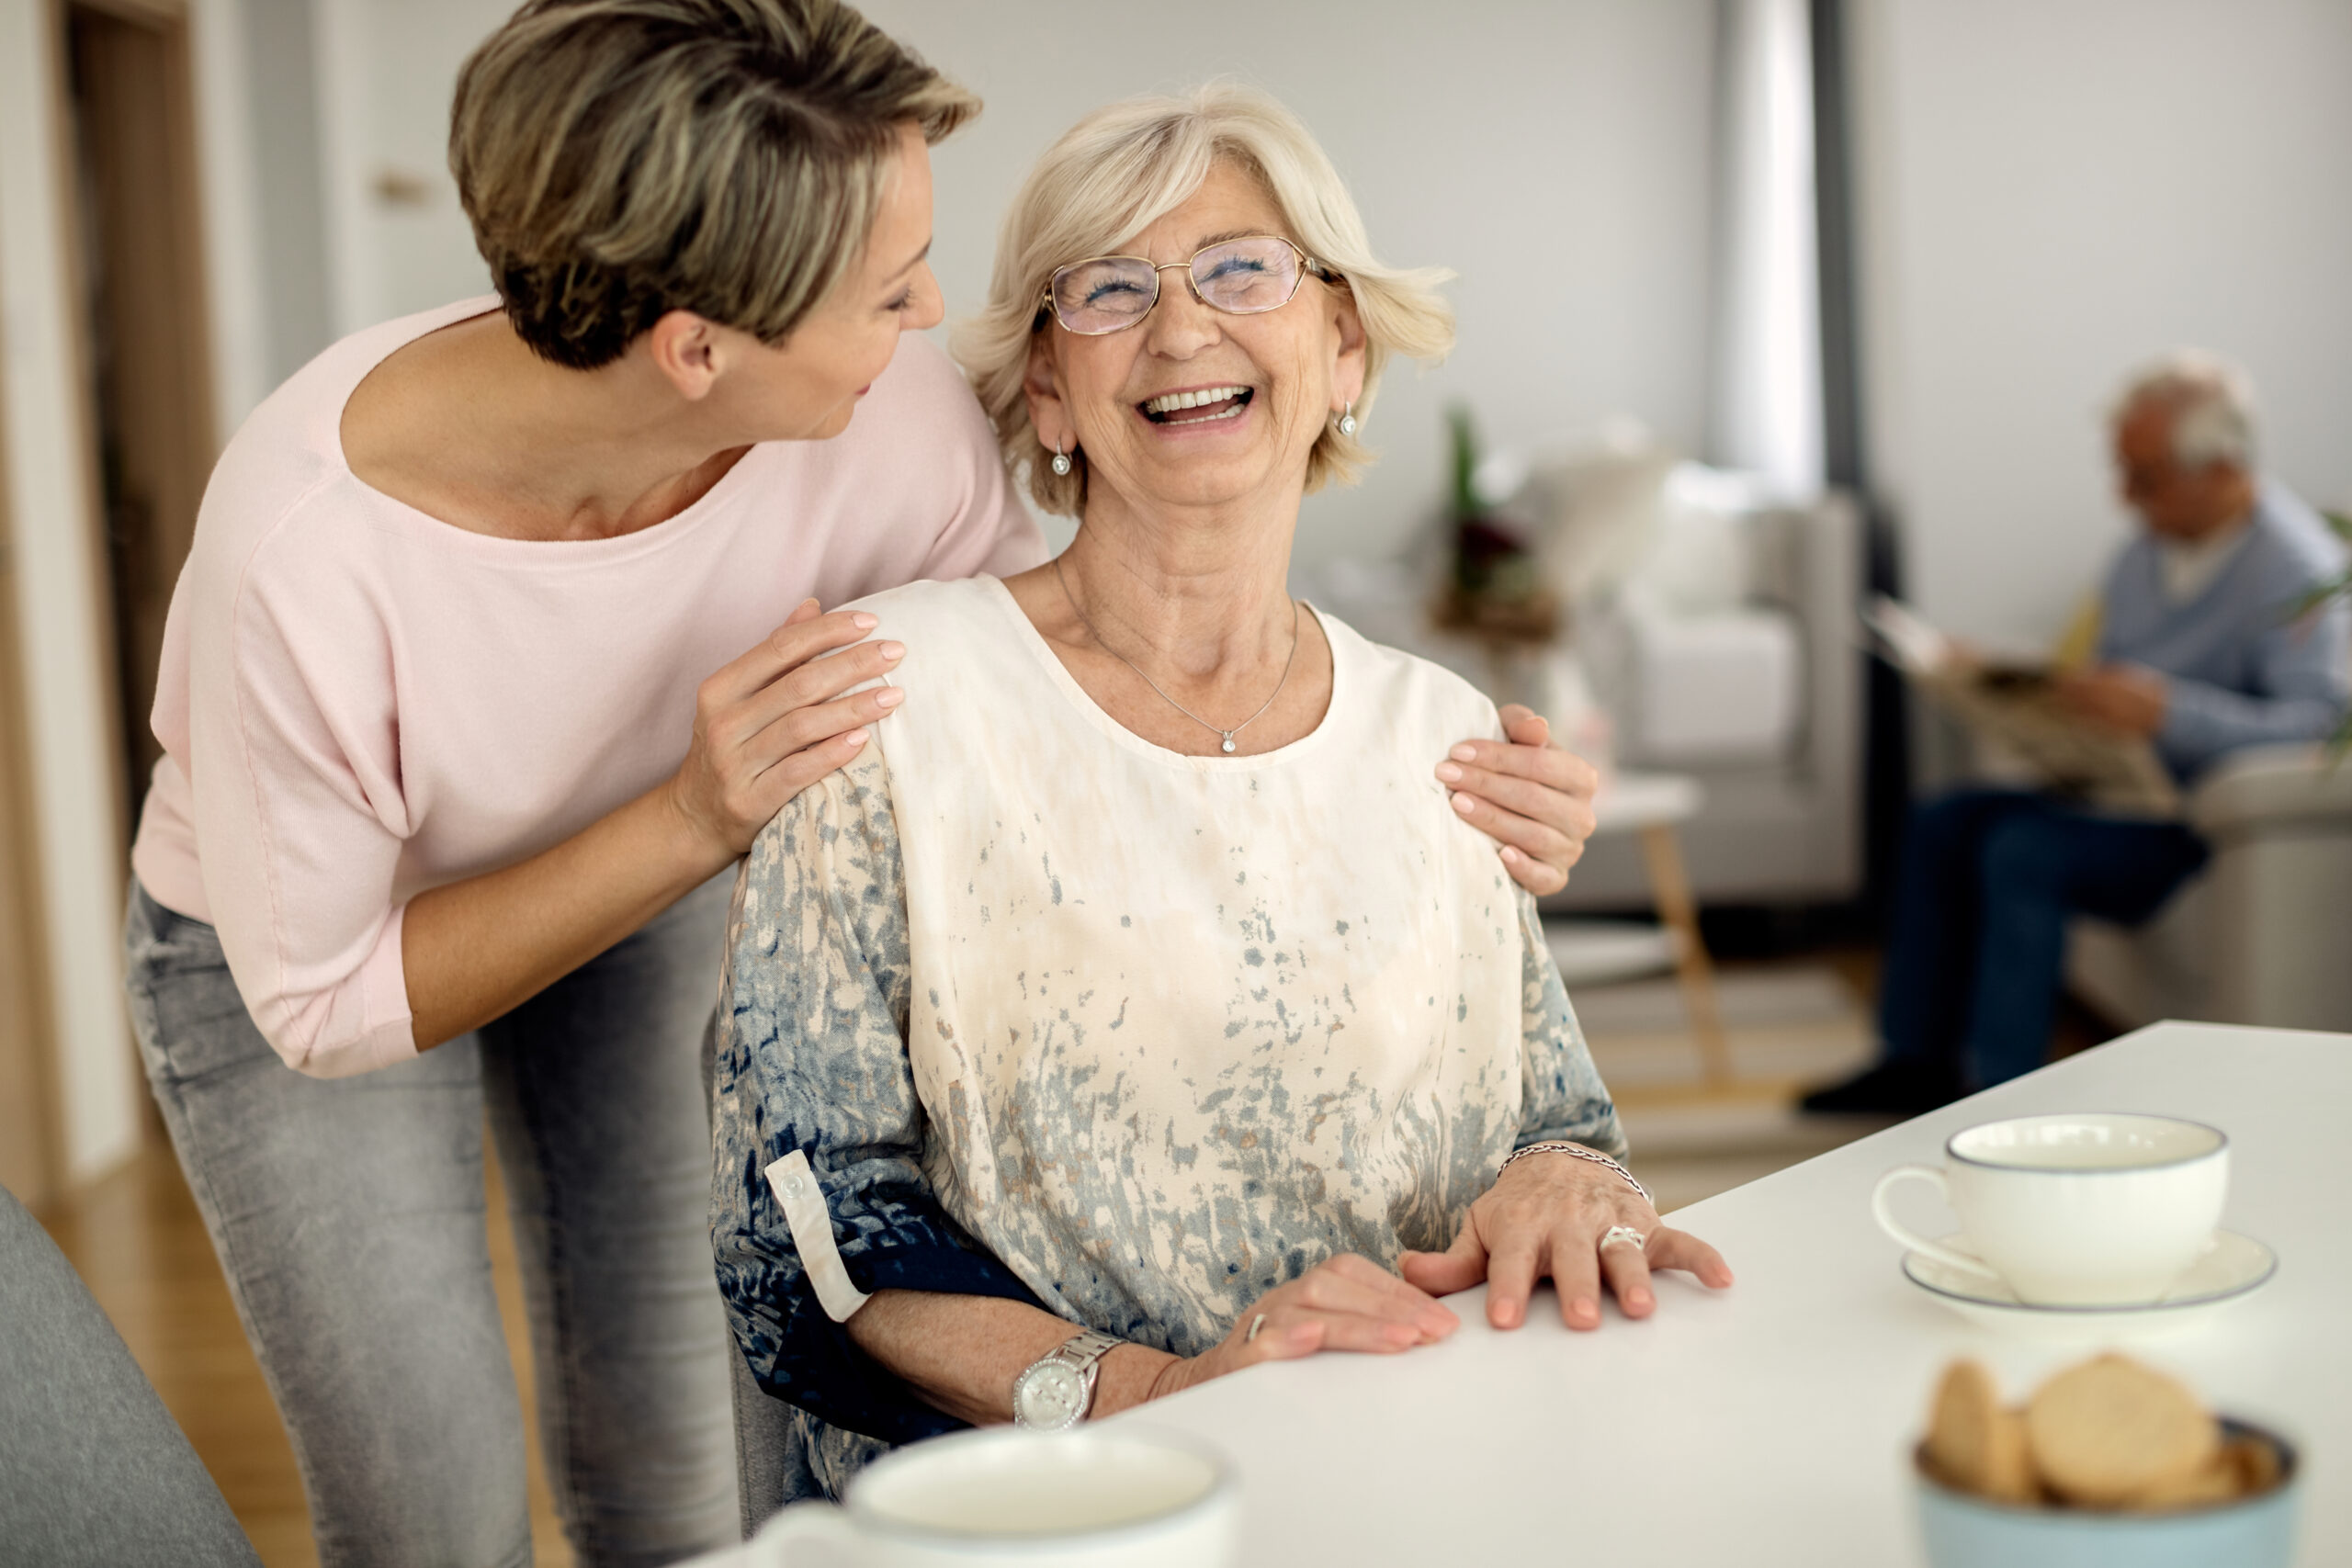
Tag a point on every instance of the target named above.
point(358, 702)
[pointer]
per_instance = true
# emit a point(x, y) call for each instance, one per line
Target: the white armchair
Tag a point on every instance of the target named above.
point(2263, 935)
point(1760, 701)
point(1728, 657)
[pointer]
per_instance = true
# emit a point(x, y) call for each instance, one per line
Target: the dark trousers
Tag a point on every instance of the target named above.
point(1988, 880)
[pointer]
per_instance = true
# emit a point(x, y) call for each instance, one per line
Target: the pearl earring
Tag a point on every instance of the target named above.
point(1348, 419)
point(1061, 461)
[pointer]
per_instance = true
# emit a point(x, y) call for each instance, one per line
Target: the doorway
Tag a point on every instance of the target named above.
point(130, 90)
point(30, 1156)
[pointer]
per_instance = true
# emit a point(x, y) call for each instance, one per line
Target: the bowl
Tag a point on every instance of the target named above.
point(1964, 1531)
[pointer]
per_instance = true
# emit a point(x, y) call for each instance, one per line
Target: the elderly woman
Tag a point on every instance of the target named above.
point(1129, 1015)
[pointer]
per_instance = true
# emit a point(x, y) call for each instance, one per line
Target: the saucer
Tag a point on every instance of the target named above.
point(2232, 1268)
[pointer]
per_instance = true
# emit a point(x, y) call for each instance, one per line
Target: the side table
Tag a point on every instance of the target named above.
point(1650, 807)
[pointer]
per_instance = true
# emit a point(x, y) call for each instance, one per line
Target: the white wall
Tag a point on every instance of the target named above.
point(2050, 194)
point(1556, 152)
point(70, 702)
point(389, 68)
point(266, 239)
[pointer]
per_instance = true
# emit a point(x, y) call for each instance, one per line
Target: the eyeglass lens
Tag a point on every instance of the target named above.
point(1240, 277)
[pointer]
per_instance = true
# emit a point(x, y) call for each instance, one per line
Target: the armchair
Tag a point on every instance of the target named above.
point(2263, 934)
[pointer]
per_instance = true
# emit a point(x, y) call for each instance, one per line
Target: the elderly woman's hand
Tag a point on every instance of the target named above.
point(1347, 1303)
point(1552, 1213)
point(1527, 793)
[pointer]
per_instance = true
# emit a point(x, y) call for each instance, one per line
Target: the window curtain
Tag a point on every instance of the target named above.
point(1766, 403)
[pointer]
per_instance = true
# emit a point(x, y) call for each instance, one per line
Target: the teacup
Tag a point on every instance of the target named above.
point(1092, 1498)
point(2086, 1209)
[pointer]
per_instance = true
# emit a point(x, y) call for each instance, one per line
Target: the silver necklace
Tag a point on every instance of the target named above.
point(1225, 735)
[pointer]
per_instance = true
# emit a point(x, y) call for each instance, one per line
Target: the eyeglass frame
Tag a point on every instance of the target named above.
point(1322, 271)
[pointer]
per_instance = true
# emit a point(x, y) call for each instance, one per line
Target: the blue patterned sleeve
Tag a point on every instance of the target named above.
point(812, 1056)
point(1562, 1096)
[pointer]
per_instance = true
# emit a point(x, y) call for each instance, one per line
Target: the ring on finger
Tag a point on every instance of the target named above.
point(1256, 1324)
point(1623, 1235)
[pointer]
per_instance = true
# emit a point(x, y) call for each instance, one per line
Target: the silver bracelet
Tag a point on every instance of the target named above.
point(1580, 1152)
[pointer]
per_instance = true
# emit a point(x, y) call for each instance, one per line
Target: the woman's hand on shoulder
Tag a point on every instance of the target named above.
point(1554, 1214)
point(1347, 1303)
point(1527, 793)
point(774, 722)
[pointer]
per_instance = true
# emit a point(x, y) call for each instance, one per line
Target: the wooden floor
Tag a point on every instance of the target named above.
point(138, 1241)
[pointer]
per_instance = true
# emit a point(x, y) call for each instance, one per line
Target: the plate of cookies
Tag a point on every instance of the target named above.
point(2111, 1463)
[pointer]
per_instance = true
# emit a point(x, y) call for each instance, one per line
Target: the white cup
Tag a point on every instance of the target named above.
point(2088, 1209)
point(1092, 1498)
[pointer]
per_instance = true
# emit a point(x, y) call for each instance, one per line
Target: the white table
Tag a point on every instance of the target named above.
point(1770, 1424)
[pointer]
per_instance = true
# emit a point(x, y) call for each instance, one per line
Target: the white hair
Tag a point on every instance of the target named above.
point(2211, 404)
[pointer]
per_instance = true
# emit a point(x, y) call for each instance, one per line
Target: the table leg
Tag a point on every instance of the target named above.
point(1670, 890)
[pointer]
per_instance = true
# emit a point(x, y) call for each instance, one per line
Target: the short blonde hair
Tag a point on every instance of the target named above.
point(1124, 167)
point(624, 158)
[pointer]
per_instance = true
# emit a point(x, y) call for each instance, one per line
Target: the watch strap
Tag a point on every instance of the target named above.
point(1081, 1351)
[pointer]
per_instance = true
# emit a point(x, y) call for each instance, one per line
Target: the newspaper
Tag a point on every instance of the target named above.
point(2014, 704)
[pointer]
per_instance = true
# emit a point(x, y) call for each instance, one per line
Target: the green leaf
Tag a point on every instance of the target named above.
point(2336, 587)
point(2341, 588)
point(1465, 461)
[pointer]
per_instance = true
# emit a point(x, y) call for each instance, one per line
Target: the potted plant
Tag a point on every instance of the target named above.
point(1494, 586)
point(2337, 587)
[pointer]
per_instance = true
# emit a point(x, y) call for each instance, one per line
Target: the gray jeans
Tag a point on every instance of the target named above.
point(348, 1216)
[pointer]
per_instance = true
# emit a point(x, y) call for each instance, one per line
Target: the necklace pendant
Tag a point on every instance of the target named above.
point(1228, 739)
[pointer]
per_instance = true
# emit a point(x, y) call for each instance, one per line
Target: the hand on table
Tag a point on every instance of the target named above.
point(1527, 793)
point(1347, 1303)
point(774, 722)
point(2123, 698)
point(1548, 1215)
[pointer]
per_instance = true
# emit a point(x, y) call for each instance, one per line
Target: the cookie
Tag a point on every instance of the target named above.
point(2257, 1463)
point(2111, 1430)
point(1976, 1444)
point(2219, 1480)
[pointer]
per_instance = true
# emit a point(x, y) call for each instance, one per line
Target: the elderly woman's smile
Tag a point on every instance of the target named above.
point(1195, 405)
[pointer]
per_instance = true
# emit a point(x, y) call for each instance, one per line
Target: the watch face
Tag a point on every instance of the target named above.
point(1050, 1395)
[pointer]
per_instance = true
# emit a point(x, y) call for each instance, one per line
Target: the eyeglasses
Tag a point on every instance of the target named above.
point(1240, 277)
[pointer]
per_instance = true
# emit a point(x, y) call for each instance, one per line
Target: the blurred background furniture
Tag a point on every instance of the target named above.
point(1709, 634)
point(2263, 934)
point(92, 1468)
point(1727, 655)
point(1651, 808)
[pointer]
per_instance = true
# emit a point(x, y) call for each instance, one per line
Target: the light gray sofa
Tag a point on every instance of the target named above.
point(1781, 817)
point(2263, 935)
point(1780, 824)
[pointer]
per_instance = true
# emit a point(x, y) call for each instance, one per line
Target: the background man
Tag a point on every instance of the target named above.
point(2198, 650)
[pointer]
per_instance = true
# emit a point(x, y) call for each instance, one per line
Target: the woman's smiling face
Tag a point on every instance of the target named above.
point(1261, 386)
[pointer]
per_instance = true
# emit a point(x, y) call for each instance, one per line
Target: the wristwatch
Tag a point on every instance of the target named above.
point(1055, 1392)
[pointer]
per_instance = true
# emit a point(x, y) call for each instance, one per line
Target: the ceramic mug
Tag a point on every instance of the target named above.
point(1092, 1498)
point(2086, 1209)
